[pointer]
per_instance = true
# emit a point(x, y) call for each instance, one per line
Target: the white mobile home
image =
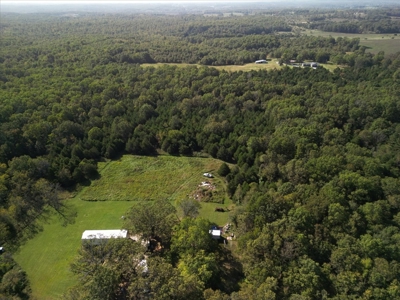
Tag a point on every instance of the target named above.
point(261, 61)
point(98, 236)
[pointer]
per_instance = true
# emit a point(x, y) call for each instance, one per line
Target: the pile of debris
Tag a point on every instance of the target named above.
point(207, 185)
point(226, 230)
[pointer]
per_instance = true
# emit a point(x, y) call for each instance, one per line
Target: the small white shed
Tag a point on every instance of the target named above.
point(215, 233)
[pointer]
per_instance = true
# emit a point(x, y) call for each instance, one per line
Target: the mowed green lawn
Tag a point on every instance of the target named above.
point(46, 257)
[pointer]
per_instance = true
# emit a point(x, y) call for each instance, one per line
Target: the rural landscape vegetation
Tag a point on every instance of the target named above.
point(158, 120)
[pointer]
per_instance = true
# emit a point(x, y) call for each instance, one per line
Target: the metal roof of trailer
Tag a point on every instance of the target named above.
point(104, 234)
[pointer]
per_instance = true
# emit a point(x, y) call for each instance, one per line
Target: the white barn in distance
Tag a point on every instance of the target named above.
point(98, 236)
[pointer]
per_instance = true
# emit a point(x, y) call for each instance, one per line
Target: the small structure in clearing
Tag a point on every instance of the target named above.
point(215, 233)
point(261, 61)
point(208, 175)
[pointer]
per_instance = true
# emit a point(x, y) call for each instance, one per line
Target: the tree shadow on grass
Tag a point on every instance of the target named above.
point(66, 214)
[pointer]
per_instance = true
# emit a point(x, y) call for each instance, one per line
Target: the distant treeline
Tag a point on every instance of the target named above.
point(94, 40)
point(356, 21)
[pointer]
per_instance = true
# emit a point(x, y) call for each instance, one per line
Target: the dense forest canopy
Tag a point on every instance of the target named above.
point(315, 153)
point(356, 21)
point(97, 39)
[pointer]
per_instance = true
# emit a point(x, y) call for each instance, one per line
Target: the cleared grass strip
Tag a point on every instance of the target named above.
point(137, 178)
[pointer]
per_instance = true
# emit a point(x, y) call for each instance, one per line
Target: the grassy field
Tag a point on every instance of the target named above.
point(46, 258)
point(390, 43)
point(331, 66)
point(271, 65)
point(179, 65)
point(389, 46)
point(138, 178)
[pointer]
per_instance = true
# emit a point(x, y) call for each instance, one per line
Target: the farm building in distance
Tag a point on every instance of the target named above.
point(261, 61)
point(310, 64)
point(97, 236)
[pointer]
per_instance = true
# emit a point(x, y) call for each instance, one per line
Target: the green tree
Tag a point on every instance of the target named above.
point(223, 170)
point(191, 236)
point(152, 220)
point(305, 278)
point(14, 283)
point(103, 268)
point(203, 266)
point(189, 207)
point(103, 285)
point(163, 282)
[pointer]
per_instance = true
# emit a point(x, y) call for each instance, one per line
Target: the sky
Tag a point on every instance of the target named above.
point(140, 1)
point(43, 2)
point(129, 1)
point(49, 5)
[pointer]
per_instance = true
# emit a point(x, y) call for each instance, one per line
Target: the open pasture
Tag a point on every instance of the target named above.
point(139, 178)
point(271, 65)
point(388, 42)
point(389, 46)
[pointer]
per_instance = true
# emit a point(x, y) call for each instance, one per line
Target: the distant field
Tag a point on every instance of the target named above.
point(232, 68)
point(46, 258)
point(180, 65)
point(389, 46)
point(390, 43)
point(271, 65)
point(331, 67)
